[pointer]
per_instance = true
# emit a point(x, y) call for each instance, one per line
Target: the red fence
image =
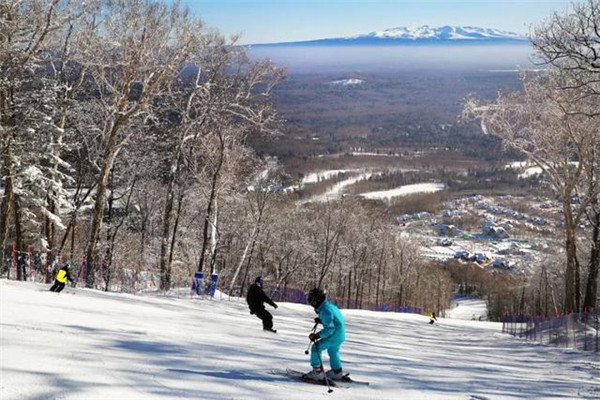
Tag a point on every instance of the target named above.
point(41, 267)
point(577, 331)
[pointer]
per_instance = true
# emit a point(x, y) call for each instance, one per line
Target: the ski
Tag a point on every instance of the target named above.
point(346, 378)
point(321, 382)
point(298, 375)
point(345, 382)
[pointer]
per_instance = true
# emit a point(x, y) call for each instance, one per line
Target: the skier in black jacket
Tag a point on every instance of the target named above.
point(256, 299)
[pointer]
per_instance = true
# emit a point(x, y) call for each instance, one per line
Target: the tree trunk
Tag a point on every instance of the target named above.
point(164, 243)
point(109, 220)
point(244, 280)
point(73, 221)
point(546, 307)
point(49, 227)
point(214, 239)
point(369, 285)
point(18, 237)
point(572, 292)
point(383, 278)
point(7, 200)
point(349, 288)
point(239, 268)
point(56, 143)
point(165, 264)
point(378, 278)
point(211, 199)
point(110, 155)
point(143, 238)
point(330, 245)
point(401, 289)
point(589, 302)
point(112, 236)
point(73, 228)
point(174, 236)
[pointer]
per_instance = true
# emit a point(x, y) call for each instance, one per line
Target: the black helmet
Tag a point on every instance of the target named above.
point(316, 297)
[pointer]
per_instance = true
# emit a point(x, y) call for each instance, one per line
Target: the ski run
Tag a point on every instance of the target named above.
point(87, 344)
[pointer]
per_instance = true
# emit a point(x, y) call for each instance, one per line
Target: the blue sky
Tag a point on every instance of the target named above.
point(265, 21)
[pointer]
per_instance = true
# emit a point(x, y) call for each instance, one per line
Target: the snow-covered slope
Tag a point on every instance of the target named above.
point(92, 345)
point(405, 190)
point(468, 309)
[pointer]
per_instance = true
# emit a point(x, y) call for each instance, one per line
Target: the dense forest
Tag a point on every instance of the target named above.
point(405, 110)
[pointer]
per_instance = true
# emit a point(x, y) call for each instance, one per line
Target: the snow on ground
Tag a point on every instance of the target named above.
point(527, 168)
point(348, 82)
point(517, 164)
point(438, 252)
point(405, 190)
point(323, 175)
point(366, 153)
point(468, 309)
point(529, 172)
point(87, 344)
point(337, 190)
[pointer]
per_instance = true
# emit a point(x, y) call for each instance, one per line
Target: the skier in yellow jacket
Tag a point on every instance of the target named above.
point(61, 279)
point(432, 318)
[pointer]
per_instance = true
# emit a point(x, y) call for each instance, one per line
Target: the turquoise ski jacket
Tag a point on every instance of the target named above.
point(334, 329)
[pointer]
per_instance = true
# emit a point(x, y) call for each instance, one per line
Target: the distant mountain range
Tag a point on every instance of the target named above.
point(419, 35)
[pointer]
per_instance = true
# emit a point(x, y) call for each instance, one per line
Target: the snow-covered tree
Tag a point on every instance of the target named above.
point(570, 43)
point(137, 49)
point(32, 111)
point(554, 130)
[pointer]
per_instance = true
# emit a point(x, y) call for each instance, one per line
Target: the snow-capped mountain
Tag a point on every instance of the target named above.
point(421, 35)
point(442, 33)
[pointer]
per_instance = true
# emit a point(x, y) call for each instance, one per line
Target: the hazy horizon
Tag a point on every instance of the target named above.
point(305, 59)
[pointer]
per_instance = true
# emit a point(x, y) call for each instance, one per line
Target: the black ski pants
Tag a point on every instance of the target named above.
point(57, 287)
point(266, 317)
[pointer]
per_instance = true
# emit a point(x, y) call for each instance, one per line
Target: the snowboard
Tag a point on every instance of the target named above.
point(345, 382)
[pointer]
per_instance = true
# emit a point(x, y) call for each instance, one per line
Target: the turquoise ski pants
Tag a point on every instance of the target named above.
point(332, 345)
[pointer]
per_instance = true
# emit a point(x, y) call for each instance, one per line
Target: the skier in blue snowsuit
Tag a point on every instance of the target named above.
point(329, 338)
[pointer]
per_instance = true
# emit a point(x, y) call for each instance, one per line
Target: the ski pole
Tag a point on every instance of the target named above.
point(310, 341)
point(329, 389)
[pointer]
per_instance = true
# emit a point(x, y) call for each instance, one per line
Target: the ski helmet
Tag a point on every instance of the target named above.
point(259, 280)
point(316, 297)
